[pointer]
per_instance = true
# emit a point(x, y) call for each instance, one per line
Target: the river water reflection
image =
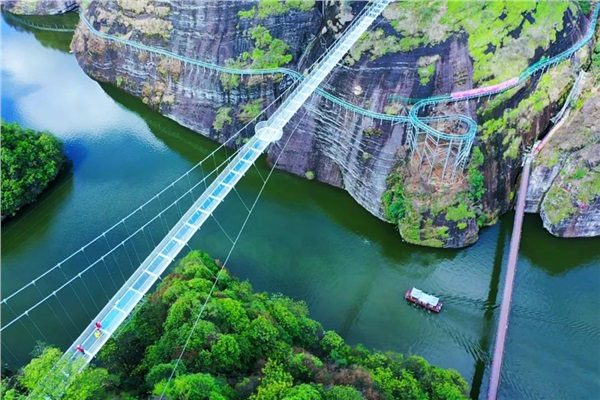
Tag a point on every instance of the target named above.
point(305, 240)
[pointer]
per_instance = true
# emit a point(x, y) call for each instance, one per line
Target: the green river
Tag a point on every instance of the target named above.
point(304, 239)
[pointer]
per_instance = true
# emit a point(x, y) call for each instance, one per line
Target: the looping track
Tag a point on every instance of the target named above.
point(418, 122)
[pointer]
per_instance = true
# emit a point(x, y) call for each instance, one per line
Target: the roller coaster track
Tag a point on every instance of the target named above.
point(495, 89)
point(413, 117)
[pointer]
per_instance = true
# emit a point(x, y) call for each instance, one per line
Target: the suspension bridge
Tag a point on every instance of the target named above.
point(433, 146)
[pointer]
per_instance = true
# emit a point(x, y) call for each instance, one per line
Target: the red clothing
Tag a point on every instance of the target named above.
point(79, 348)
point(98, 325)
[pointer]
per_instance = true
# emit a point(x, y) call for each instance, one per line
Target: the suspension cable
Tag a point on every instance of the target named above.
point(203, 180)
point(227, 258)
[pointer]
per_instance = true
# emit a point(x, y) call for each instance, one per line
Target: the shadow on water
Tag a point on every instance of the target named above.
point(554, 255)
point(190, 145)
point(46, 205)
point(488, 314)
point(41, 28)
point(285, 187)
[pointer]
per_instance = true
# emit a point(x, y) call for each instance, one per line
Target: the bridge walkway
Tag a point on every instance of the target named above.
point(509, 281)
point(129, 295)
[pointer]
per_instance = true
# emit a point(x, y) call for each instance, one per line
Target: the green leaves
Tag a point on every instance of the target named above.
point(474, 176)
point(246, 345)
point(226, 353)
point(393, 199)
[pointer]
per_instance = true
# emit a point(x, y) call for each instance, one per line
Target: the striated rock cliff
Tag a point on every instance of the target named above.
point(415, 50)
point(565, 181)
point(37, 7)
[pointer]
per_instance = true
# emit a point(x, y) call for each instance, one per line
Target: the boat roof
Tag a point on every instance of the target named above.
point(424, 297)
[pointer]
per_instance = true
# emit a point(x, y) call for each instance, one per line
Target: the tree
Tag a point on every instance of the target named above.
point(226, 353)
point(263, 335)
point(253, 339)
point(229, 315)
point(194, 387)
point(47, 376)
point(301, 392)
point(274, 383)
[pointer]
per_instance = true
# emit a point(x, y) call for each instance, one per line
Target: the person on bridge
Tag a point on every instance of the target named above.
point(80, 349)
point(98, 325)
point(97, 333)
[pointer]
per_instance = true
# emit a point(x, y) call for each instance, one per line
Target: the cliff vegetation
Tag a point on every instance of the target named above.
point(565, 183)
point(245, 345)
point(417, 50)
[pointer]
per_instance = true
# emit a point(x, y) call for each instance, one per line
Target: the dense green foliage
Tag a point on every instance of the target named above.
point(595, 68)
point(38, 375)
point(266, 8)
point(30, 161)
point(586, 6)
point(247, 345)
point(502, 36)
point(474, 175)
point(393, 199)
point(268, 53)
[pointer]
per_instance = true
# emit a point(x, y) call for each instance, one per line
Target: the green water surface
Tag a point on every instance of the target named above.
point(304, 239)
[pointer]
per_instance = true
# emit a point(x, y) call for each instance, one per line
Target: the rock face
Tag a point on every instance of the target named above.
point(402, 55)
point(565, 184)
point(37, 7)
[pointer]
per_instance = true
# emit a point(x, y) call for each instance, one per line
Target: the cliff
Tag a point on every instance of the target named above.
point(565, 182)
point(415, 50)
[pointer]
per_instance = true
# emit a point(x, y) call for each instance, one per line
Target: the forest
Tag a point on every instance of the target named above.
point(182, 343)
point(30, 161)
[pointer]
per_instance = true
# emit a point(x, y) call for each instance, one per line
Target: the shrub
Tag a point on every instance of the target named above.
point(586, 6)
point(580, 173)
point(372, 131)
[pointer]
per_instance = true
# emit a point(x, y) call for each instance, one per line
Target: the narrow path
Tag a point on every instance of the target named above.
point(509, 281)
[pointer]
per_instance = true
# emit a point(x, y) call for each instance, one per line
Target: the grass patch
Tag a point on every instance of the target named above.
point(267, 8)
point(425, 74)
point(496, 53)
point(222, 118)
point(247, 14)
point(458, 213)
point(558, 205)
point(250, 110)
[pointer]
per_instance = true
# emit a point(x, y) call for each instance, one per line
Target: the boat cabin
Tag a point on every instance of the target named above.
point(423, 299)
